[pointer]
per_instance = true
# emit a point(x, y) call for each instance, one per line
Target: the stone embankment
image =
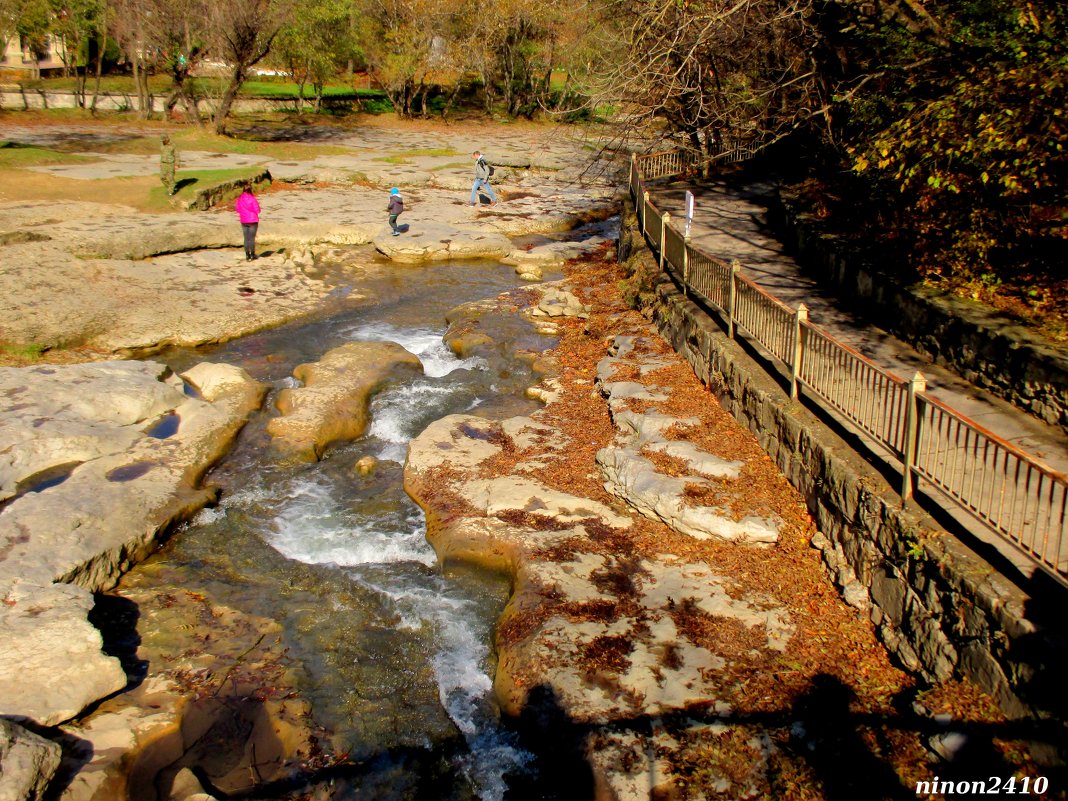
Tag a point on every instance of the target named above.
point(99, 462)
point(938, 605)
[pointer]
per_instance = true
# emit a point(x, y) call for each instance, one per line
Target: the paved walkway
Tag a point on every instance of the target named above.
point(731, 223)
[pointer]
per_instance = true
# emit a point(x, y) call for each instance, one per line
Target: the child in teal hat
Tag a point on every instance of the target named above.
point(396, 208)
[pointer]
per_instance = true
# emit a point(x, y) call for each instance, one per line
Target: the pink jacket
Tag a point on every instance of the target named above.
point(247, 208)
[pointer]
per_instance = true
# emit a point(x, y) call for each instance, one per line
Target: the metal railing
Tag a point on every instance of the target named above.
point(1013, 493)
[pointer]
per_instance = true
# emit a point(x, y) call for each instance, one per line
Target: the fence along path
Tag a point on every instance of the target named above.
point(1021, 499)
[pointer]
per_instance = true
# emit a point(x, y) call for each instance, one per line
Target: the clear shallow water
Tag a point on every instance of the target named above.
point(395, 656)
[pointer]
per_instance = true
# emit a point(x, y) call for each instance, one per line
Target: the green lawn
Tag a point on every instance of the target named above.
point(15, 156)
point(161, 84)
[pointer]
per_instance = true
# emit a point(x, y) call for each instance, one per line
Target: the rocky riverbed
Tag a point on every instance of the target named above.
point(669, 631)
point(108, 280)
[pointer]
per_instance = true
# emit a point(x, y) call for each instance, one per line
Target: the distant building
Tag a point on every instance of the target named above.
point(18, 56)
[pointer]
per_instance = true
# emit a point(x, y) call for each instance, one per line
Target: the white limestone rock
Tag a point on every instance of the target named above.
point(27, 763)
point(149, 446)
point(333, 403)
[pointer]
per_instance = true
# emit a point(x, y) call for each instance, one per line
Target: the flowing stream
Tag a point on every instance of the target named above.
point(394, 656)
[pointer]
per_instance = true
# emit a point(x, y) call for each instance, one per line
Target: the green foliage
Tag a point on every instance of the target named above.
point(965, 137)
point(318, 43)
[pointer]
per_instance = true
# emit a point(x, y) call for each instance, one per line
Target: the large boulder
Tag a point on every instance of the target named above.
point(333, 403)
point(118, 452)
point(27, 763)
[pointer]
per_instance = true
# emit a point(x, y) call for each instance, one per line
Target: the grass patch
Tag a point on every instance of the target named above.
point(28, 352)
point(379, 104)
point(433, 151)
point(407, 155)
point(14, 156)
point(190, 182)
point(203, 140)
point(203, 87)
point(452, 165)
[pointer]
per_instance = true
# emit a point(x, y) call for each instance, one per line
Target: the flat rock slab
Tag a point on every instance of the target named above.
point(125, 307)
point(125, 283)
point(333, 403)
point(631, 475)
point(438, 241)
point(117, 455)
point(558, 655)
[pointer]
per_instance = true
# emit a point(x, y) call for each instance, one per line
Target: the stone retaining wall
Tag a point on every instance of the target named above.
point(12, 98)
point(937, 606)
point(226, 190)
point(986, 348)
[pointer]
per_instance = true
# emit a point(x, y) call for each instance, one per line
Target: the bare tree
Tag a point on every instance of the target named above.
point(719, 73)
point(243, 32)
point(131, 20)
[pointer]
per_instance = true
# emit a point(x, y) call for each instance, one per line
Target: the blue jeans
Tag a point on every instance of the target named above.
point(482, 183)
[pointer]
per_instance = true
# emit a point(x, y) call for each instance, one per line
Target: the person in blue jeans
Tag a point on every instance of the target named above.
point(482, 176)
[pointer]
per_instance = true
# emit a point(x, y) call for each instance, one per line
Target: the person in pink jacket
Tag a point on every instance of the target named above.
point(248, 211)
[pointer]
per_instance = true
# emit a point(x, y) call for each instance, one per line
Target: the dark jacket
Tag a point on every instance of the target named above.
point(396, 204)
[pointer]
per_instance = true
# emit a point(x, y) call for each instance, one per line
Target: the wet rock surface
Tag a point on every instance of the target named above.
point(332, 404)
point(113, 458)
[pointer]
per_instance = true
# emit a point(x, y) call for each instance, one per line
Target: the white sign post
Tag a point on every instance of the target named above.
point(689, 211)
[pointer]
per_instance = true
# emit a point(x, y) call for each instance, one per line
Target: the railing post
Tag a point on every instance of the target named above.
point(731, 295)
point(645, 211)
point(686, 265)
point(634, 175)
point(917, 384)
point(663, 237)
point(795, 369)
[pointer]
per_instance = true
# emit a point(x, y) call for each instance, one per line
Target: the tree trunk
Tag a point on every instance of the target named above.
point(487, 94)
point(450, 100)
point(101, 47)
point(135, 62)
point(196, 110)
point(222, 112)
point(420, 96)
point(146, 93)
